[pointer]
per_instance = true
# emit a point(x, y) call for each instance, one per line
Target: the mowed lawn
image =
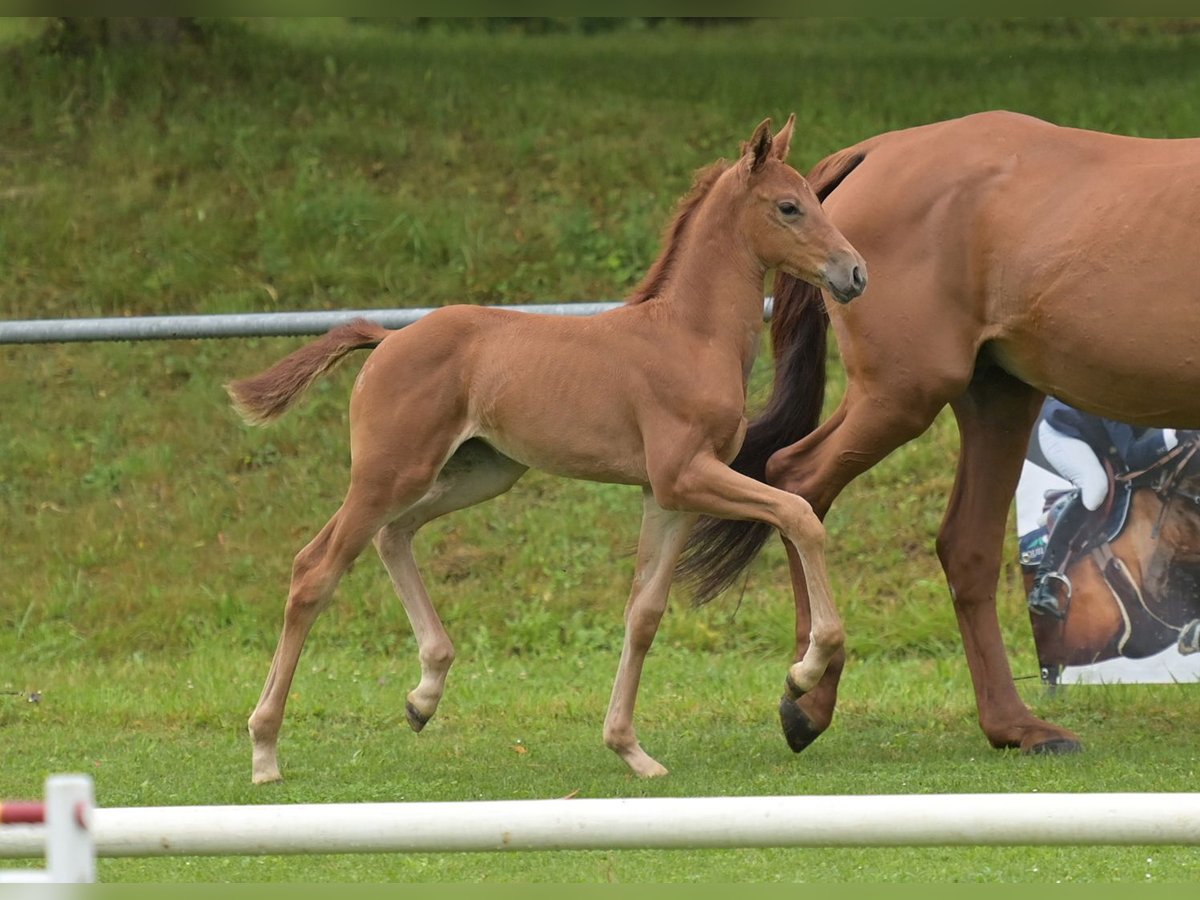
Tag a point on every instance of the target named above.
point(323, 164)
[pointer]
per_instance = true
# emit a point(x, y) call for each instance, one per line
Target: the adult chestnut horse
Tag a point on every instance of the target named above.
point(1010, 258)
point(451, 411)
point(1134, 595)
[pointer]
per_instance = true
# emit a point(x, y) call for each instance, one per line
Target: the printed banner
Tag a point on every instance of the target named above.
point(1108, 526)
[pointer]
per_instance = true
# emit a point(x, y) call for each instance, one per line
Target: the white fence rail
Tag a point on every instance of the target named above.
point(640, 823)
point(58, 828)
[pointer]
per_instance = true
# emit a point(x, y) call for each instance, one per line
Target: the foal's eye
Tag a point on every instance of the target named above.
point(788, 208)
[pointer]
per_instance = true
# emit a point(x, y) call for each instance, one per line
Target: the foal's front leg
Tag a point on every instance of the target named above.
point(661, 541)
point(707, 485)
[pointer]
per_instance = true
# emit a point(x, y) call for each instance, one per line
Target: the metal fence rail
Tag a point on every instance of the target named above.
point(266, 324)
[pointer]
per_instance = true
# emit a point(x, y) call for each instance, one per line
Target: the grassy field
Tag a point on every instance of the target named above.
point(306, 165)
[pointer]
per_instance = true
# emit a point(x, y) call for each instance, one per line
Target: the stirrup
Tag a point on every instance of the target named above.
point(1059, 576)
point(1037, 597)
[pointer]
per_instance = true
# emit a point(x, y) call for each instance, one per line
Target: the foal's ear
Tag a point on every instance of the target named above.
point(783, 140)
point(756, 150)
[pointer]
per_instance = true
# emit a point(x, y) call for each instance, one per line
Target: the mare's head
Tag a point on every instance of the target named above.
point(784, 222)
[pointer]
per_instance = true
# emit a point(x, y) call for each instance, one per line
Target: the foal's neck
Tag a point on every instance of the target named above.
point(716, 291)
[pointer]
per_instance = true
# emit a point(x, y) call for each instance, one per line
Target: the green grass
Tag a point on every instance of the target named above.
point(171, 732)
point(298, 164)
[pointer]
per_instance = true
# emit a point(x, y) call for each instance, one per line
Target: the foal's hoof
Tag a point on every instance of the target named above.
point(1060, 746)
point(798, 728)
point(416, 721)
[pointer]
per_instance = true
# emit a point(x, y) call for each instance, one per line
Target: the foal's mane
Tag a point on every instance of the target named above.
point(652, 283)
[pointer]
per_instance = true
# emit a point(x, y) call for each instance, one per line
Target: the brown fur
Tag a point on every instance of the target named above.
point(1010, 259)
point(720, 550)
point(452, 410)
point(660, 270)
point(264, 398)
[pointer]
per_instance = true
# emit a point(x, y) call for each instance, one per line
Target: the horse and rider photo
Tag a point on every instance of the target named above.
point(1108, 522)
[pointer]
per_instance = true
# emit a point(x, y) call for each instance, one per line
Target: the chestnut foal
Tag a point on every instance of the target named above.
point(452, 410)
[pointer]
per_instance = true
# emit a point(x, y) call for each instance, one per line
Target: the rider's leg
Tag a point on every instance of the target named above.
point(1076, 461)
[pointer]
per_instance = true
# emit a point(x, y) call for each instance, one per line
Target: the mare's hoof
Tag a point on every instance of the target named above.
point(798, 728)
point(416, 721)
point(1056, 747)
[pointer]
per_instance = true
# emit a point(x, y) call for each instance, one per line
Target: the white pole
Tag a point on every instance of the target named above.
point(64, 838)
point(656, 823)
point(70, 852)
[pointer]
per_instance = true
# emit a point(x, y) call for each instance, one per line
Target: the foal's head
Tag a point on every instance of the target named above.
point(783, 220)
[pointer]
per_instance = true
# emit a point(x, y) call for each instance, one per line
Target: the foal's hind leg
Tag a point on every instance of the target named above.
point(659, 545)
point(315, 574)
point(434, 647)
point(474, 474)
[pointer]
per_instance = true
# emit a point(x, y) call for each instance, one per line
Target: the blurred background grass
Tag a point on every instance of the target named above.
point(305, 164)
point(318, 164)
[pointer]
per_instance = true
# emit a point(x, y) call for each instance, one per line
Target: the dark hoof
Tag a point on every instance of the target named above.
point(798, 728)
point(416, 721)
point(1056, 747)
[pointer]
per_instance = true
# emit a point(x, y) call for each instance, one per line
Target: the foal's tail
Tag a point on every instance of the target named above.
point(719, 550)
point(263, 398)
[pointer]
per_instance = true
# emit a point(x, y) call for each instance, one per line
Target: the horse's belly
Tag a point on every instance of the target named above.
point(571, 456)
point(1130, 368)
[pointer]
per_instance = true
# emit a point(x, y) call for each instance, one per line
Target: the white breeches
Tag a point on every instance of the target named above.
point(1076, 461)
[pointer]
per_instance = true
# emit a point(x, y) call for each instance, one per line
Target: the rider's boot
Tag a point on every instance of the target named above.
point(1043, 597)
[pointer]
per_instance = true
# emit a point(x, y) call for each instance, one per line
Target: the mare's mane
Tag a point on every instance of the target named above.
point(652, 283)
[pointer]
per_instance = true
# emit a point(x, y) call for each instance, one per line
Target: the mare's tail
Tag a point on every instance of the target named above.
point(263, 398)
point(719, 550)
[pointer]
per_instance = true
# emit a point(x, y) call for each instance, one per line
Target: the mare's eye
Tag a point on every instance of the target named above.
point(788, 208)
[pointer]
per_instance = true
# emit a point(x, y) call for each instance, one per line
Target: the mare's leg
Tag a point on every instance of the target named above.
point(995, 416)
point(858, 435)
point(474, 474)
point(661, 541)
point(315, 573)
point(706, 485)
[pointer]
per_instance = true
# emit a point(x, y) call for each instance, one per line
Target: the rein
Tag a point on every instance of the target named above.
point(1169, 469)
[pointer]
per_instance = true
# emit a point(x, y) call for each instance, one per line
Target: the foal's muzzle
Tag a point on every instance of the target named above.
point(845, 277)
